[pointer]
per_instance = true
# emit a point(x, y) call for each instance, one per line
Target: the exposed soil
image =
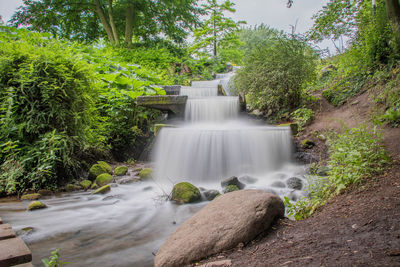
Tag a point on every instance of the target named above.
point(360, 227)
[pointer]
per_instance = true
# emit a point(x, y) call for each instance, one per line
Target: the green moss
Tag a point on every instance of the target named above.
point(95, 171)
point(102, 190)
point(105, 166)
point(86, 184)
point(146, 173)
point(31, 196)
point(158, 127)
point(94, 185)
point(72, 187)
point(120, 170)
point(185, 193)
point(231, 188)
point(104, 179)
point(35, 205)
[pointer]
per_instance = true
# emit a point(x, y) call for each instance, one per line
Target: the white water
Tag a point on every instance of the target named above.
point(124, 227)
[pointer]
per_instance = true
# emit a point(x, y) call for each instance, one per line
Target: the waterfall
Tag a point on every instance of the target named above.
point(213, 143)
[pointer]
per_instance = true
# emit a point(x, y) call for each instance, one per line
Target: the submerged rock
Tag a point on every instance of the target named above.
point(34, 196)
point(146, 173)
point(278, 184)
point(185, 193)
point(25, 231)
point(35, 205)
point(248, 179)
point(294, 183)
point(211, 194)
point(225, 222)
point(232, 181)
point(86, 184)
point(230, 188)
point(104, 179)
point(102, 190)
point(121, 170)
point(128, 180)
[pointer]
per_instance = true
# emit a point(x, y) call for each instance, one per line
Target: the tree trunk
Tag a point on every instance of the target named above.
point(129, 26)
point(111, 17)
point(215, 36)
point(393, 13)
point(103, 20)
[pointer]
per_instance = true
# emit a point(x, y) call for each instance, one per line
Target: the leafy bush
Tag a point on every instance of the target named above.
point(276, 68)
point(302, 116)
point(355, 155)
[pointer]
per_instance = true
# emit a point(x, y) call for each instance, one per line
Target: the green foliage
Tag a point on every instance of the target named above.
point(218, 35)
point(355, 155)
point(54, 260)
point(276, 69)
point(302, 117)
point(62, 103)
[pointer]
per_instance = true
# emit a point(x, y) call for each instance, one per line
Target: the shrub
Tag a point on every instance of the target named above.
point(302, 116)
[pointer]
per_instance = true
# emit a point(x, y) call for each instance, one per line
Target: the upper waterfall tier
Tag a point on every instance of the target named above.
point(210, 152)
point(217, 108)
point(199, 91)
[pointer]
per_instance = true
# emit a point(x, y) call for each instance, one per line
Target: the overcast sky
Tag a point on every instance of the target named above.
point(270, 12)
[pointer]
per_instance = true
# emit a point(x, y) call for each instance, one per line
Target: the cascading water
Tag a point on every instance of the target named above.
point(124, 227)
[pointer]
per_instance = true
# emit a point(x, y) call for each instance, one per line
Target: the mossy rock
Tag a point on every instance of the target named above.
point(95, 171)
point(102, 190)
point(104, 179)
point(35, 205)
point(230, 188)
point(45, 192)
point(120, 170)
point(185, 193)
point(138, 169)
point(94, 185)
point(105, 166)
point(146, 173)
point(35, 196)
point(86, 184)
point(307, 144)
point(72, 187)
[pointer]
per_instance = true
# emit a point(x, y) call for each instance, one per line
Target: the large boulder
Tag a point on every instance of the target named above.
point(228, 220)
point(185, 193)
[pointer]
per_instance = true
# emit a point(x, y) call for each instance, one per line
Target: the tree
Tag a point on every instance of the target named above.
point(218, 30)
point(117, 20)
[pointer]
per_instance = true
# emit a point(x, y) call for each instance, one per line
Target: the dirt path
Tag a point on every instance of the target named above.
point(358, 228)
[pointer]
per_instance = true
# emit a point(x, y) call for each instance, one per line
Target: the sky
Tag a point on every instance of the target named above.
point(273, 13)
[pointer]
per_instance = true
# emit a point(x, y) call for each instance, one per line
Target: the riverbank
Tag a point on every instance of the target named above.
point(359, 227)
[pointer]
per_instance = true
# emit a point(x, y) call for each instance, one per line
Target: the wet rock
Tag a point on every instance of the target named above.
point(225, 222)
point(305, 157)
point(45, 192)
point(248, 179)
point(128, 180)
point(307, 144)
point(121, 170)
point(148, 188)
point(72, 187)
point(113, 197)
point(232, 181)
point(146, 173)
point(230, 188)
point(294, 183)
point(138, 169)
point(211, 194)
point(278, 184)
point(94, 185)
point(102, 190)
point(35, 205)
point(185, 193)
point(85, 184)
point(104, 179)
point(96, 170)
point(34, 196)
point(25, 231)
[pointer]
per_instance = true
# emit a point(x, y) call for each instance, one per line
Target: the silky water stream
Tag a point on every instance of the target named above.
point(128, 225)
